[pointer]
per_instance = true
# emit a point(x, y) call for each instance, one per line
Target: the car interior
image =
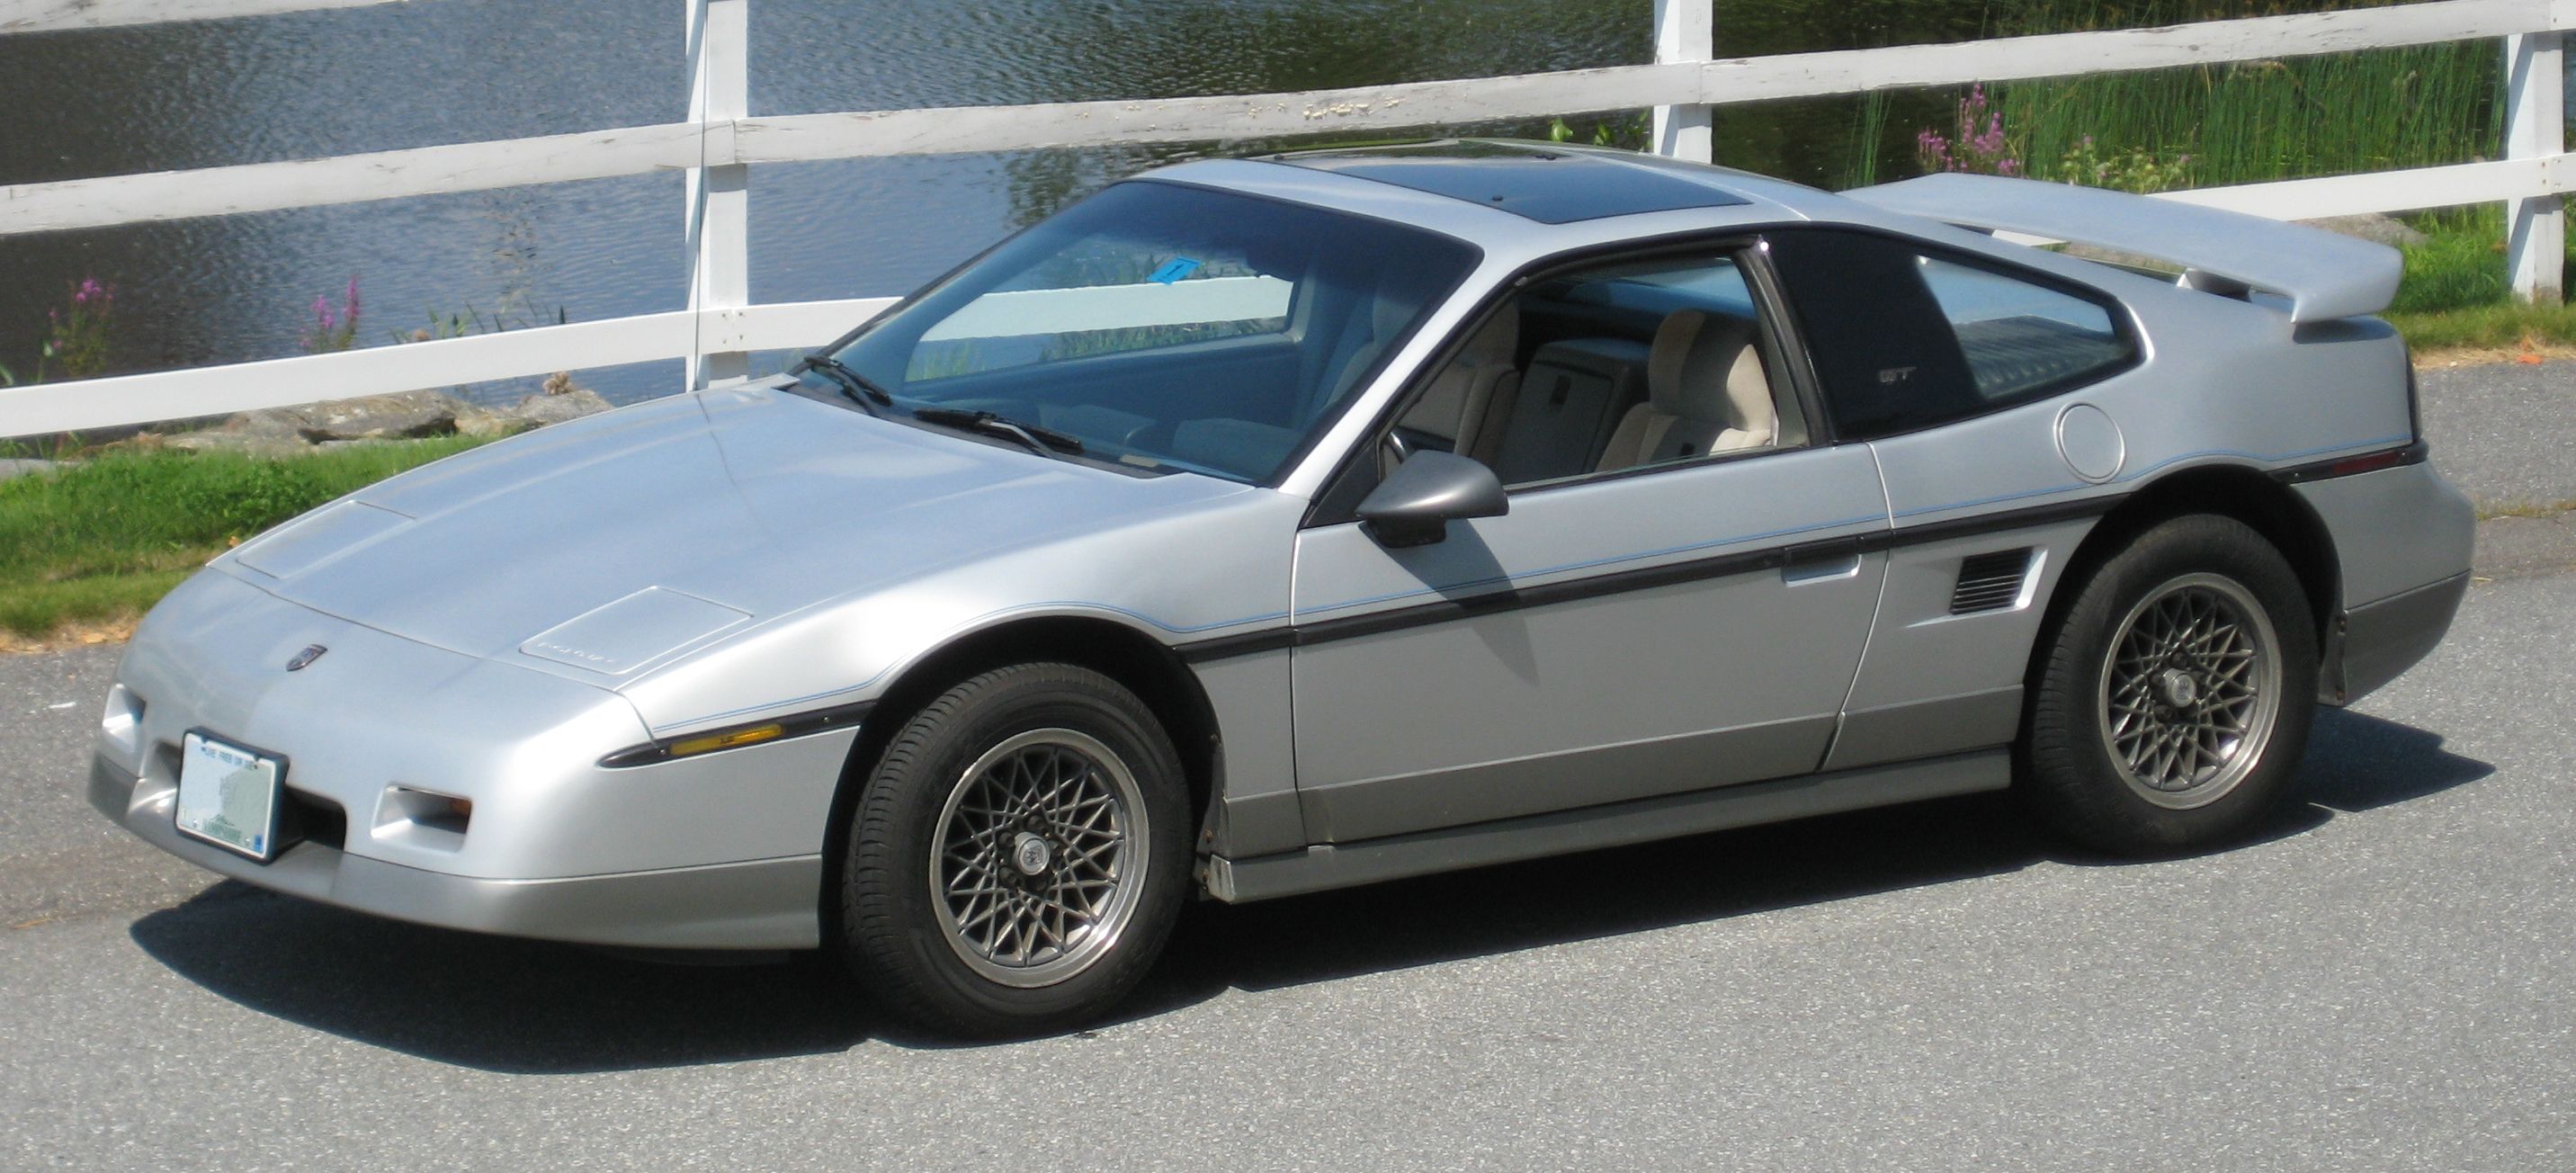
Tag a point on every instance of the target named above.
point(1607, 370)
point(1235, 396)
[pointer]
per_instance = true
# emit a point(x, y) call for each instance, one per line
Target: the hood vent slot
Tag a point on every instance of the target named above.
point(1990, 582)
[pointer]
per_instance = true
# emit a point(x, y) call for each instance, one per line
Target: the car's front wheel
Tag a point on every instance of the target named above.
point(2174, 697)
point(1019, 854)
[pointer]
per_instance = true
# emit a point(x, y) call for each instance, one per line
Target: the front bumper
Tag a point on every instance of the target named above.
point(720, 850)
point(759, 904)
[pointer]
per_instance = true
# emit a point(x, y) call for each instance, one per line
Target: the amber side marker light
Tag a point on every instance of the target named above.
point(727, 740)
point(816, 721)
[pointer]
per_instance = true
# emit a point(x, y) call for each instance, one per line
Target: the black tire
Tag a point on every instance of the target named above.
point(956, 967)
point(2170, 747)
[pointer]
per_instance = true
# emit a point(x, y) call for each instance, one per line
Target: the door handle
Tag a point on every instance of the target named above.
point(1825, 561)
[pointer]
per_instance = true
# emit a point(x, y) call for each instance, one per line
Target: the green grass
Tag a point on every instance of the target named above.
point(2252, 122)
point(2248, 122)
point(2460, 268)
point(2492, 327)
point(2455, 294)
point(104, 539)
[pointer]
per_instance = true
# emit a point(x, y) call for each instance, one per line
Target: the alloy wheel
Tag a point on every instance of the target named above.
point(1040, 858)
point(2191, 688)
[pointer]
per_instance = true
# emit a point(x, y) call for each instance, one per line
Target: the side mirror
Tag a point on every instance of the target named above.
point(1416, 502)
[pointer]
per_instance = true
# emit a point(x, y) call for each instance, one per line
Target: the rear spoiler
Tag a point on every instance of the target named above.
point(2324, 275)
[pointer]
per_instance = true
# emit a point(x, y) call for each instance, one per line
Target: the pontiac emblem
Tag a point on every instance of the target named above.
point(310, 653)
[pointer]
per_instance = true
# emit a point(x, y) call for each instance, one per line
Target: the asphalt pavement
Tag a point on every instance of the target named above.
point(2378, 981)
point(2505, 432)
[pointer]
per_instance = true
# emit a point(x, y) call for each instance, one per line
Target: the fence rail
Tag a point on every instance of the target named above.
point(722, 140)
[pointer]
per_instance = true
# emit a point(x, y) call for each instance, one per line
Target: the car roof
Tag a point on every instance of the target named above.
point(1525, 179)
point(1512, 194)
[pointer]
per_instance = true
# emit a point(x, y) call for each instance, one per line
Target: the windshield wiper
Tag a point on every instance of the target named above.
point(858, 387)
point(1043, 441)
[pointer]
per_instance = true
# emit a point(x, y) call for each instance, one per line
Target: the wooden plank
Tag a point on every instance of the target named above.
point(47, 408)
point(41, 16)
point(1684, 33)
point(1802, 75)
point(949, 130)
point(2535, 125)
point(2389, 191)
point(381, 175)
point(852, 134)
point(474, 166)
point(717, 220)
point(795, 325)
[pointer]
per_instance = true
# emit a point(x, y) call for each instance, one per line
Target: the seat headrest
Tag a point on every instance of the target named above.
point(1705, 368)
point(1498, 343)
point(1388, 312)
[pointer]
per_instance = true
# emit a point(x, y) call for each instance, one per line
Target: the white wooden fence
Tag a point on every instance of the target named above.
point(722, 140)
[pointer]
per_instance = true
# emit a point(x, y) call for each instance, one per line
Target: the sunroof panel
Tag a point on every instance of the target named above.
point(1538, 184)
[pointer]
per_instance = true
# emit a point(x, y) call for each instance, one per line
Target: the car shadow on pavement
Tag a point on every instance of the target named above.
point(532, 1007)
point(2355, 763)
point(495, 1003)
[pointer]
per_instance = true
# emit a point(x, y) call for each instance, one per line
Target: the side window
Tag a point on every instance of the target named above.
point(1902, 339)
point(2022, 339)
point(1625, 365)
point(1882, 348)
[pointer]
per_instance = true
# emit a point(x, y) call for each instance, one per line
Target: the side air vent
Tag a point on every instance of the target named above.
point(1989, 582)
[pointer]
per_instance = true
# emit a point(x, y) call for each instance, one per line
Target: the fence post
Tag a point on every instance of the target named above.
point(718, 192)
point(1684, 31)
point(2535, 126)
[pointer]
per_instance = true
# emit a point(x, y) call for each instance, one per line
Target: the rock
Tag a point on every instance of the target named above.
point(285, 431)
point(379, 417)
point(14, 468)
point(267, 443)
point(284, 424)
point(535, 411)
point(2377, 229)
point(375, 417)
point(490, 423)
point(556, 407)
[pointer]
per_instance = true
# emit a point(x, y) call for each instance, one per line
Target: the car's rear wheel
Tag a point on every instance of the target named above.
point(1019, 854)
point(2176, 692)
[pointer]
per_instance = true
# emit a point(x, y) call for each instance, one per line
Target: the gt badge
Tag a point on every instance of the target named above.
point(310, 653)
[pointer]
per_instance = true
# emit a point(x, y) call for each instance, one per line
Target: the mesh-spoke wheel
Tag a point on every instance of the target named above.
point(2190, 689)
point(1038, 850)
point(2172, 693)
point(1018, 853)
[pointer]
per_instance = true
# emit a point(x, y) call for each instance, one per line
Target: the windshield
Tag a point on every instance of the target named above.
point(1167, 327)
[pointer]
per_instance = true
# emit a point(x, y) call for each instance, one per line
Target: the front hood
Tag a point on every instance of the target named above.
point(611, 543)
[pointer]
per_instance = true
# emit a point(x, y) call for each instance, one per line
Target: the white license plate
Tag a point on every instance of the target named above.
point(228, 796)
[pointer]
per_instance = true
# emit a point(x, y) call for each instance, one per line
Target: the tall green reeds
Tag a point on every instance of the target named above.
point(2246, 122)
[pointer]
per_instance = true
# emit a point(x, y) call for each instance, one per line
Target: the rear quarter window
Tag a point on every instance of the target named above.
point(2022, 339)
point(1902, 338)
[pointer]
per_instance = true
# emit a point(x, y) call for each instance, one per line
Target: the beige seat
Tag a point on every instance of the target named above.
point(1470, 401)
point(1705, 393)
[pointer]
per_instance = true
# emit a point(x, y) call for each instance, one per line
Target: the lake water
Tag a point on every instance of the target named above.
point(436, 71)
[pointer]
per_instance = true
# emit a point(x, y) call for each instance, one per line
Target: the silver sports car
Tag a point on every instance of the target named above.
point(1261, 526)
